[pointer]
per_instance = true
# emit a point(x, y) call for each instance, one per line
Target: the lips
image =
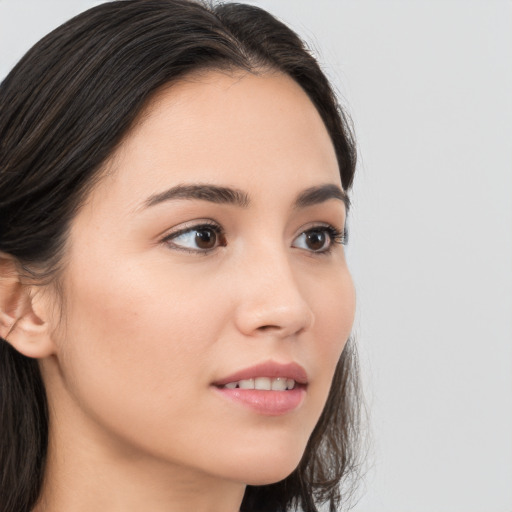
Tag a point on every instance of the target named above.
point(269, 369)
point(249, 388)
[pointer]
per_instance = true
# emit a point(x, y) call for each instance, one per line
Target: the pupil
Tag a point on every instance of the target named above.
point(206, 238)
point(316, 240)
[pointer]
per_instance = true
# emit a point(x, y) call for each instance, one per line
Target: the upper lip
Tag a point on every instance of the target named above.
point(268, 369)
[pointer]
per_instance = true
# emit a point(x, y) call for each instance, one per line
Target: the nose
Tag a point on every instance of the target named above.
point(271, 301)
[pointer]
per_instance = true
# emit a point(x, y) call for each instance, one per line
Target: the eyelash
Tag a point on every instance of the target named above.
point(196, 227)
point(335, 236)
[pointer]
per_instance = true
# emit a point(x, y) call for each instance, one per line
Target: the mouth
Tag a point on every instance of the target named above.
point(266, 376)
point(263, 384)
point(271, 389)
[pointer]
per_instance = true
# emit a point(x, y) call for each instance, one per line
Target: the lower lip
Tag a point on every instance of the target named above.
point(269, 403)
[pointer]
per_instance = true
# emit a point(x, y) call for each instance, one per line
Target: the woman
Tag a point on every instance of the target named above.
point(175, 301)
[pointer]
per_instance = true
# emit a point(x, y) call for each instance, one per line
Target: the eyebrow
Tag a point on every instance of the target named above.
point(320, 194)
point(211, 193)
point(226, 195)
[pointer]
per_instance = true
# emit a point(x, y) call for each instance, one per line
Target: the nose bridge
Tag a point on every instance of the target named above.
point(271, 298)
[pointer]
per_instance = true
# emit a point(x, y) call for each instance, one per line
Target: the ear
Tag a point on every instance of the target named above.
point(20, 326)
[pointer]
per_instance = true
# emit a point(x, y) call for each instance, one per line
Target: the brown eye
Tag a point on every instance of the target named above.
point(319, 239)
point(316, 240)
point(201, 238)
point(206, 238)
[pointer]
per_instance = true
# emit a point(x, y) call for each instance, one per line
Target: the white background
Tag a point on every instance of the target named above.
point(429, 86)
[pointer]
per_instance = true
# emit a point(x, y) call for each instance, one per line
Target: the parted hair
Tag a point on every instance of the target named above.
point(64, 108)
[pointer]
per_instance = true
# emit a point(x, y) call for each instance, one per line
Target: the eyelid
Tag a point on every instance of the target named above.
point(340, 233)
point(336, 236)
point(191, 226)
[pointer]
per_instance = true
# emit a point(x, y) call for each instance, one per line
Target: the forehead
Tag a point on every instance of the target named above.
point(238, 129)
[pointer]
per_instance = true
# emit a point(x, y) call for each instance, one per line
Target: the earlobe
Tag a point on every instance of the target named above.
point(20, 326)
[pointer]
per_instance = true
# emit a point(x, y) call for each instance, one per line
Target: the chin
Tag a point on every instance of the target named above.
point(267, 476)
point(267, 479)
point(268, 471)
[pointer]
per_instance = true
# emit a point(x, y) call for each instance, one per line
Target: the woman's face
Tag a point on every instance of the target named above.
point(209, 254)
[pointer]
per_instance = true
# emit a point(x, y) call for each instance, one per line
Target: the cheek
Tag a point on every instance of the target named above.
point(135, 346)
point(334, 307)
point(334, 318)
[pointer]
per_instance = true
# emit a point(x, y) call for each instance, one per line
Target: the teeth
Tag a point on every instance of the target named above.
point(263, 384)
point(279, 384)
point(246, 384)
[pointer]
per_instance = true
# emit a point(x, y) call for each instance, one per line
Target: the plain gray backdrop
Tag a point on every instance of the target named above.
point(429, 87)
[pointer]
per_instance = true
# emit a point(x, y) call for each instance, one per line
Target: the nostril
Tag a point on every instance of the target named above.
point(279, 330)
point(268, 327)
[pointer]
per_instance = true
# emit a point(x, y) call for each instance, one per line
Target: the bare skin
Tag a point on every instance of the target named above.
point(152, 319)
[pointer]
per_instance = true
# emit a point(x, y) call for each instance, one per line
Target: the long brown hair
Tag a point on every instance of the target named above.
point(64, 108)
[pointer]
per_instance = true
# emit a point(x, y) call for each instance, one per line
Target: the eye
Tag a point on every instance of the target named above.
point(320, 239)
point(200, 238)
